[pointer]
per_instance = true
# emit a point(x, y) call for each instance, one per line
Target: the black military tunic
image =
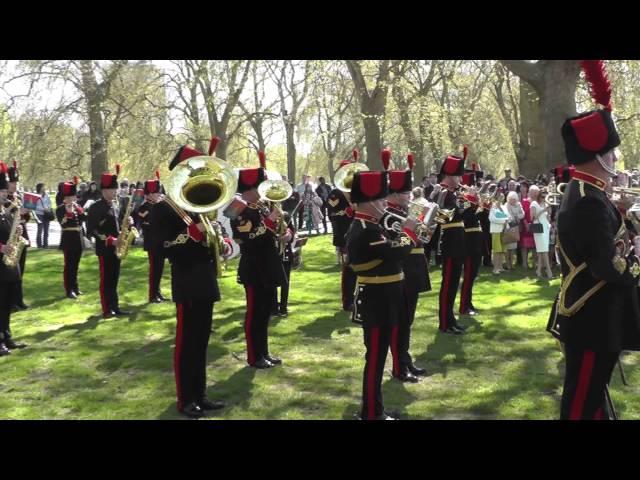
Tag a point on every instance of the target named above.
point(24, 219)
point(452, 247)
point(9, 280)
point(341, 216)
point(71, 244)
point(596, 312)
point(287, 259)
point(416, 281)
point(473, 240)
point(194, 289)
point(379, 302)
point(485, 225)
point(260, 270)
point(156, 260)
point(104, 225)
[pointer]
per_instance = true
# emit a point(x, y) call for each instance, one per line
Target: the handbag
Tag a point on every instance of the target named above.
point(536, 228)
point(511, 235)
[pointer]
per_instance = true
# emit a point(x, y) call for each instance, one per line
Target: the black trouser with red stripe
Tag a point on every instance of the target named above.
point(348, 284)
point(190, 356)
point(260, 300)
point(19, 298)
point(401, 334)
point(586, 378)
point(451, 270)
point(471, 267)
point(109, 276)
point(284, 290)
point(156, 267)
point(8, 291)
point(70, 272)
point(377, 339)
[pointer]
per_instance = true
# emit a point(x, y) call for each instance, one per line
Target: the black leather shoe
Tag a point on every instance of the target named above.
point(262, 363)
point(4, 350)
point(453, 331)
point(162, 297)
point(78, 292)
point(207, 404)
point(407, 376)
point(72, 295)
point(416, 370)
point(284, 312)
point(111, 314)
point(274, 360)
point(23, 306)
point(193, 410)
point(155, 300)
point(475, 310)
point(121, 313)
point(11, 345)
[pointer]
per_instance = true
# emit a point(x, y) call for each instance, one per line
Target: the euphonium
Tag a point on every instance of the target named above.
point(275, 192)
point(16, 241)
point(343, 178)
point(128, 234)
point(202, 185)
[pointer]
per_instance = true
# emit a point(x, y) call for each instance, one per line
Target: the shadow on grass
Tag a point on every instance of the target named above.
point(237, 390)
point(90, 324)
point(324, 326)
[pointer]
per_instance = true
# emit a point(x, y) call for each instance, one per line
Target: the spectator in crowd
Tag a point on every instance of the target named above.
point(323, 191)
point(498, 219)
point(312, 204)
point(300, 188)
point(513, 209)
point(539, 210)
point(44, 214)
point(92, 193)
point(526, 237)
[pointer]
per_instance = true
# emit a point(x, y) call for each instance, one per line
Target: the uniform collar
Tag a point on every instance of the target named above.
point(395, 206)
point(590, 179)
point(366, 217)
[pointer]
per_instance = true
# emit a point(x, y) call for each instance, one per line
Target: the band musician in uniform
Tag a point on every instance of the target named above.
point(25, 216)
point(473, 244)
point(70, 215)
point(595, 315)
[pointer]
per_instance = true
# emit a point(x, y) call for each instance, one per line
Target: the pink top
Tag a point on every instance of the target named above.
point(526, 238)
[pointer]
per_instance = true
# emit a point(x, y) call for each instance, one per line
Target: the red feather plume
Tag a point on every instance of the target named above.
point(355, 154)
point(15, 164)
point(158, 174)
point(410, 161)
point(263, 159)
point(213, 144)
point(76, 180)
point(595, 72)
point(3, 167)
point(117, 169)
point(465, 151)
point(386, 158)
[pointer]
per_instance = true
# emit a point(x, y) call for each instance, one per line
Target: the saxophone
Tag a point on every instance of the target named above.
point(127, 234)
point(16, 241)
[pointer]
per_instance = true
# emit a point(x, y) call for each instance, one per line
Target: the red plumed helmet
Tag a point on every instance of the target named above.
point(213, 144)
point(465, 151)
point(355, 154)
point(117, 169)
point(158, 174)
point(386, 158)
point(595, 72)
point(263, 159)
point(410, 161)
point(3, 167)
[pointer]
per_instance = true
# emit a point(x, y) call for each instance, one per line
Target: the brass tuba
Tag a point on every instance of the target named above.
point(343, 178)
point(202, 185)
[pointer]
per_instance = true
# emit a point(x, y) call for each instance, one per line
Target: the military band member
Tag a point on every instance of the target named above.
point(25, 216)
point(260, 269)
point(9, 276)
point(70, 215)
point(379, 302)
point(414, 266)
point(104, 221)
point(451, 239)
point(156, 260)
point(341, 216)
point(595, 314)
point(280, 309)
point(473, 243)
point(181, 237)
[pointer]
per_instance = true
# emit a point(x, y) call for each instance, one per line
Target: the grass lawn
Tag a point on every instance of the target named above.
point(79, 366)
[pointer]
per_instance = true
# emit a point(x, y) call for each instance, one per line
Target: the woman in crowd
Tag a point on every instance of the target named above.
point(44, 214)
point(526, 237)
point(312, 203)
point(513, 209)
point(91, 194)
point(539, 210)
point(497, 218)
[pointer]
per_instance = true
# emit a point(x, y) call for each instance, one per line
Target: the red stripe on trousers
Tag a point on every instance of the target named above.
point(394, 350)
point(251, 357)
point(466, 285)
point(342, 286)
point(584, 379)
point(599, 414)
point(103, 300)
point(177, 352)
point(65, 272)
point(151, 292)
point(445, 292)
point(373, 368)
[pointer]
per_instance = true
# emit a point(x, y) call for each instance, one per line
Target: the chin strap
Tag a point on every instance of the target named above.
point(609, 170)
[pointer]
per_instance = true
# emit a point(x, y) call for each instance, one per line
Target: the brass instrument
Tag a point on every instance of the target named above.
point(487, 196)
point(343, 178)
point(275, 192)
point(418, 211)
point(128, 234)
point(555, 193)
point(16, 241)
point(202, 185)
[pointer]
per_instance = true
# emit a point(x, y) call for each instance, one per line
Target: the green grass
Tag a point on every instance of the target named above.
point(79, 366)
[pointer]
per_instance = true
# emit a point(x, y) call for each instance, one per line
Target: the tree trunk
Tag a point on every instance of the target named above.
point(530, 152)
point(291, 152)
point(99, 158)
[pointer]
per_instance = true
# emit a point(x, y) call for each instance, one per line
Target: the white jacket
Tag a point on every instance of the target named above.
point(497, 224)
